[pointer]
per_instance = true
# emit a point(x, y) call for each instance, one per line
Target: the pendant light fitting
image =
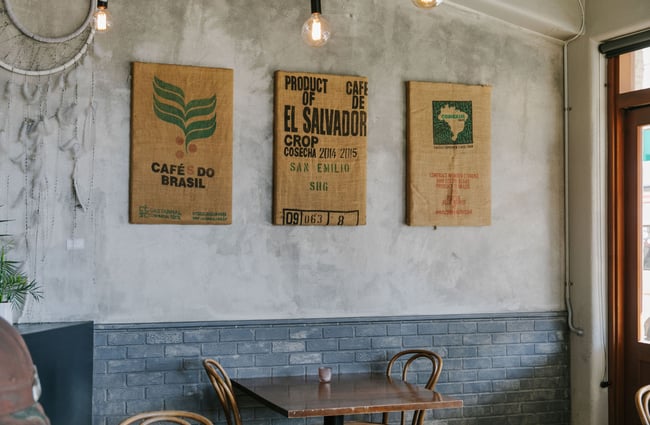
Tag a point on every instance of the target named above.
point(102, 18)
point(316, 30)
point(427, 4)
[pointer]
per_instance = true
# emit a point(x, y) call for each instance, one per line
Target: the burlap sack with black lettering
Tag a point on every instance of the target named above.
point(181, 145)
point(321, 126)
point(448, 155)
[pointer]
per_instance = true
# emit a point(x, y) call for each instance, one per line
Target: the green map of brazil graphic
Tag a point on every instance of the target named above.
point(452, 123)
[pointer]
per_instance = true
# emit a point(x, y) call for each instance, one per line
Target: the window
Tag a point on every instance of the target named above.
point(634, 70)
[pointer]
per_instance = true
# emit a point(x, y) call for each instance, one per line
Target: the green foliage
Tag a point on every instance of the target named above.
point(169, 105)
point(15, 286)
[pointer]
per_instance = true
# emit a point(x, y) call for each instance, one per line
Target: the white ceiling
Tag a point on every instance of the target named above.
point(559, 19)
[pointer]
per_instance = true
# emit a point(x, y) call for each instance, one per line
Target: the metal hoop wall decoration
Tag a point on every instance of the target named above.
point(51, 40)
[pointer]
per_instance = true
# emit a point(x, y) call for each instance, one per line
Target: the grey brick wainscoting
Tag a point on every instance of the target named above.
point(507, 368)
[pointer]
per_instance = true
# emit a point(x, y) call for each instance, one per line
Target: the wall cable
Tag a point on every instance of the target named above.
point(567, 262)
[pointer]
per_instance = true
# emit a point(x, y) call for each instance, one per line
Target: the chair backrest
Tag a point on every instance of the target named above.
point(407, 358)
point(167, 417)
point(223, 387)
point(642, 399)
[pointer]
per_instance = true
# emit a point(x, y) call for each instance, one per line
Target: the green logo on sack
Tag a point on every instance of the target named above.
point(196, 118)
point(452, 123)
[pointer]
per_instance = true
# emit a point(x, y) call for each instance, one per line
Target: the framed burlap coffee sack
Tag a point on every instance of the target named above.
point(319, 155)
point(181, 145)
point(448, 155)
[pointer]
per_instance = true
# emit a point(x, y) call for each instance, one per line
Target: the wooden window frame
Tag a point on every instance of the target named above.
point(616, 259)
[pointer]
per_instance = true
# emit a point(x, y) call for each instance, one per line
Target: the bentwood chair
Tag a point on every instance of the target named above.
point(167, 417)
point(427, 362)
point(642, 400)
point(223, 387)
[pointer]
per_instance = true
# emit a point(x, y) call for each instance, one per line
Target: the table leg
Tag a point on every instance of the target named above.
point(333, 420)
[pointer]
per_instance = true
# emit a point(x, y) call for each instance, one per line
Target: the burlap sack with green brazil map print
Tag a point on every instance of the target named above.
point(319, 155)
point(181, 145)
point(448, 155)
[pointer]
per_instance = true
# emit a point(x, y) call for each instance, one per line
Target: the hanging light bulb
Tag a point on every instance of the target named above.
point(316, 30)
point(427, 4)
point(102, 18)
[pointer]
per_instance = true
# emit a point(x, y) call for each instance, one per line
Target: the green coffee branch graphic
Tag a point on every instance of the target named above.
point(192, 118)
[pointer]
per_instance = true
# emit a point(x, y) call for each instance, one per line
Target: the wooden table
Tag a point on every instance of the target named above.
point(300, 396)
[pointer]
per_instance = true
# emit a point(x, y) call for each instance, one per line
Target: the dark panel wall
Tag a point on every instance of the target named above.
point(63, 355)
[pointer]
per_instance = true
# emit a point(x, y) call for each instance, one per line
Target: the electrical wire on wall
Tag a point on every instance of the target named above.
point(567, 280)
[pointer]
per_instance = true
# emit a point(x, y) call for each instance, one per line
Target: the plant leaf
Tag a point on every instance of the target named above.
point(14, 284)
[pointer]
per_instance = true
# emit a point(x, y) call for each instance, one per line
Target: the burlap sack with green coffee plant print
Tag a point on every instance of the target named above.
point(181, 145)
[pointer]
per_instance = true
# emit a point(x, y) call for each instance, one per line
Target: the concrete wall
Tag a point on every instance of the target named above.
point(587, 193)
point(252, 269)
